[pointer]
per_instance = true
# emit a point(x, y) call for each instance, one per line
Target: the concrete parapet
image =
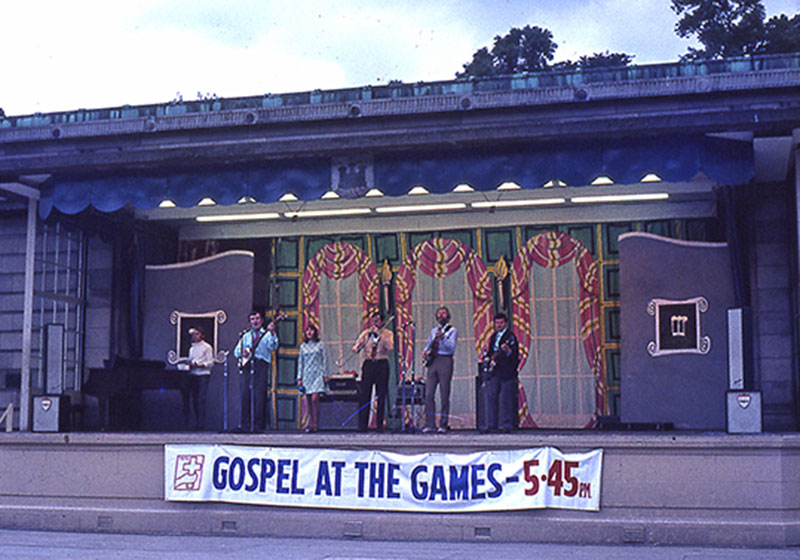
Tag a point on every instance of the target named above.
point(671, 488)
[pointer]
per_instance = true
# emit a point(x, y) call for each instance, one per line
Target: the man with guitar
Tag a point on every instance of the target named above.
point(438, 357)
point(500, 360)
point(254, 355)
point(375, 342)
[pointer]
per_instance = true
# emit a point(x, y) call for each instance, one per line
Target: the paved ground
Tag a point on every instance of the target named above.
point(22, 545)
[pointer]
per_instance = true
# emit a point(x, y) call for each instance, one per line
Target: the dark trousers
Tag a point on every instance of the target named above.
point(261, 373)
point(196, 394)
point(373, 372)
point(440, 372)
point(500, 403)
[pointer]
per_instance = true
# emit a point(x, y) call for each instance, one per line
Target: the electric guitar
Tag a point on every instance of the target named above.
point(243, 361)
point(427, 360)
point(491, 362)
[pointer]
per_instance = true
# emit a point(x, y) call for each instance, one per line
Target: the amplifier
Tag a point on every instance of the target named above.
point(49, 413)
point(744, 412)
point(410, 393)
point(342, 385)
point(336, 413)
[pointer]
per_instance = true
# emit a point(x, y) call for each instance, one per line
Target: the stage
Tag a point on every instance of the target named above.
point(665, 488)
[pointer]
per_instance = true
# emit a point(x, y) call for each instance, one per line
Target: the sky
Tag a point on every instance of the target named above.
point(61, 55)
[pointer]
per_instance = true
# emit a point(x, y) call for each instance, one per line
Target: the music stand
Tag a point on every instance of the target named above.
point(411, 399)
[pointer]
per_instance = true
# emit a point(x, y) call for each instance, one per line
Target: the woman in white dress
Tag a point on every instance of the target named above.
point(312, 374)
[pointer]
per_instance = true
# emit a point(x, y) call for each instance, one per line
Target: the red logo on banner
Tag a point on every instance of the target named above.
point(188, 472)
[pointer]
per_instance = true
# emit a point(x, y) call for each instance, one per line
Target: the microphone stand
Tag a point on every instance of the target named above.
point(225, 392)
point(253, 391)
point(413, 393)
point(404, 386)
point(240, 344)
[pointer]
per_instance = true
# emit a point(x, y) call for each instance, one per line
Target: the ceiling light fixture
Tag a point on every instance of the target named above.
point(420, 208)
point(522, 202)
point(327, 213)
point(463, 187)
point(238, 217)
point(651, 178)
point(602, 180)
point(620, 197)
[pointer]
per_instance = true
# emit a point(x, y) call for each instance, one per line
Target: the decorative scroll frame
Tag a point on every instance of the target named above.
point(204, 320)
point(702, 344)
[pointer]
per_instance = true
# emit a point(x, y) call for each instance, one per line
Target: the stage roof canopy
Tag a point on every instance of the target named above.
point(576, 164)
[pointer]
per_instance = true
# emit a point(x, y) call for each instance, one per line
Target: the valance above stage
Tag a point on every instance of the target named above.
point(672, 158)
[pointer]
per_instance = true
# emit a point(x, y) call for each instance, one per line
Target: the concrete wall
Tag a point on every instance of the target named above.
point(12, 287)
point(99, 313)
point(666, 488)
point(771, 227)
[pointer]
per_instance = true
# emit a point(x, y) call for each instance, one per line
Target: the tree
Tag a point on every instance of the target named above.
point(605, 60)
point(520, 50)
point(725, 28)
point(782, 35)
point(482, 64)
point(597, 60)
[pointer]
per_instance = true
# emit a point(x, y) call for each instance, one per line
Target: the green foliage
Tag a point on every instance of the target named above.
point(605, 60)
point(731, 28)
point(597, 60)
point(520, 50)
point(482, 64)
point(782, 35)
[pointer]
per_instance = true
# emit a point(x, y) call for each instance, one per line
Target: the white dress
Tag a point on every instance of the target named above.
point(312, 366)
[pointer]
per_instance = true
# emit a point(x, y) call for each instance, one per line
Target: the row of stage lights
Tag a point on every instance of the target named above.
point(436, 207)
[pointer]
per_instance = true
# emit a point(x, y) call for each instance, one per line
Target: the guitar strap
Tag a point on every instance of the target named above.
point(256, 342)
point(262, 333)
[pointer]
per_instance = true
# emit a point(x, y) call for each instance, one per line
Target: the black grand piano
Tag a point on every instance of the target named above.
point(118, 388)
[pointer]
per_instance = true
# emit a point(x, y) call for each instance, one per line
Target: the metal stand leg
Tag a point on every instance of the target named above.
point(225, 393)
point(413, 403)
point(252, 395)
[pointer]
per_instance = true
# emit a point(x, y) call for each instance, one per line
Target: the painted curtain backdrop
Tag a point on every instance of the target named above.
point(575, 294)
point(441, 258)
point(338, 260)
point(550, 251)
point(335, 306)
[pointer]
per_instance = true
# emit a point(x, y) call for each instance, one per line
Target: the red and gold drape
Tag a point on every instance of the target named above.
point(439, 258)
point(339, 260)
point(551, 250)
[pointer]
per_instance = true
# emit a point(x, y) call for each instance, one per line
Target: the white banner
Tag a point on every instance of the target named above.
point(434, 482)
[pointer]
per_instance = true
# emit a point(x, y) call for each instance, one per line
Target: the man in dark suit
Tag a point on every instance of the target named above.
point(501, 361)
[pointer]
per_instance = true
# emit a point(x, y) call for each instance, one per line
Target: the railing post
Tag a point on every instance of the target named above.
point(8, 417)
